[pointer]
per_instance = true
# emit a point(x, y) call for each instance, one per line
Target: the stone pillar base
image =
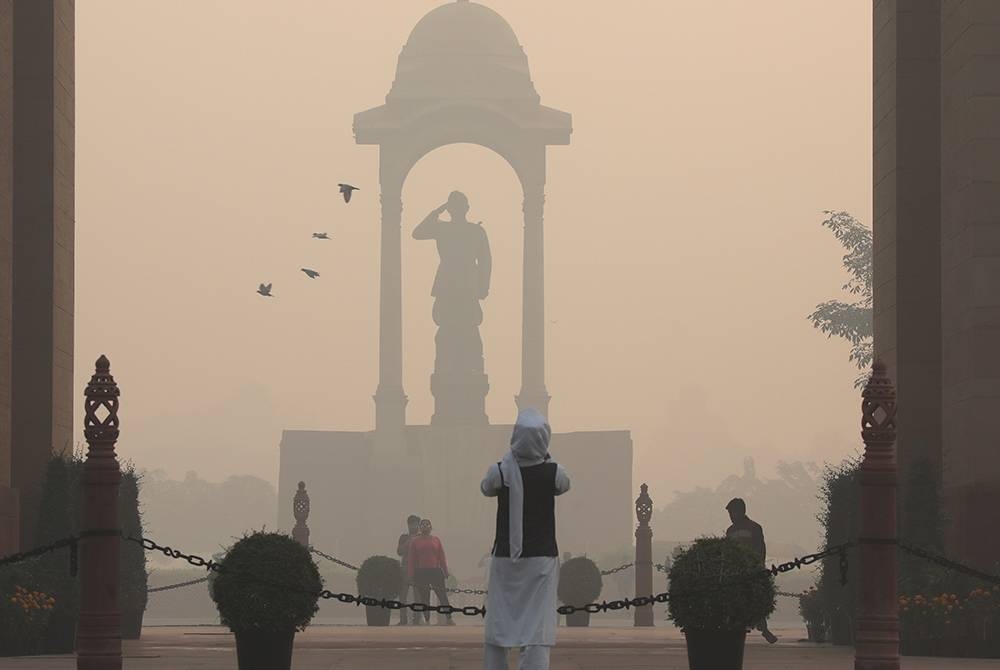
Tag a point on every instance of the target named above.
point(460, 399)
point(9, 517)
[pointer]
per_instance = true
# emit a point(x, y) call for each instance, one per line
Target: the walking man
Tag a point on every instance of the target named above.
point(428, 568)
point(403, 551)
point(524, 571)
point(746, 531)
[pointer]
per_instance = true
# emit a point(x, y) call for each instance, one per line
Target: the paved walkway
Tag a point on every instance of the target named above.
point(457, 648)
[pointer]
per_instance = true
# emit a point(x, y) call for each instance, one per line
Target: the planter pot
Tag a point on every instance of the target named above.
point(259, 650)
point(60, 635)
point(580, 618)
point(379, 616)
point(817, 633)
point(715, 649)
point(132, 623)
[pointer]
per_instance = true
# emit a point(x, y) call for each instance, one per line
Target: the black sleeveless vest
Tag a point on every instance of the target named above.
point(539, 525)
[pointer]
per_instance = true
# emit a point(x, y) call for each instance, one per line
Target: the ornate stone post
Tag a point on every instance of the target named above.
point(644, 556)
point(98, 633)
point(390, 400)
point(876, 645)
point(533, 393)
point(300, 509)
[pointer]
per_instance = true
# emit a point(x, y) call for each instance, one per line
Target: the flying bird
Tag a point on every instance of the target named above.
point(347, 190)
point(312, 274)
point(321, 236)
point(265, 290)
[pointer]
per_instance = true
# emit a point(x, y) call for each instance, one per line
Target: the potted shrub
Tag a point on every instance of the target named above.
point(134, 577)
point(814, 614)
point(380, 577)
point(265, 615)
point(580, 584)
point(713, 612)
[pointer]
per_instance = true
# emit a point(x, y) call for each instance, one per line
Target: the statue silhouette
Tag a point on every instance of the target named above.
point(459, 383)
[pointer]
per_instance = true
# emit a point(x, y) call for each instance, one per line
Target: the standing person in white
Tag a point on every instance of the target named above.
point(524, 569)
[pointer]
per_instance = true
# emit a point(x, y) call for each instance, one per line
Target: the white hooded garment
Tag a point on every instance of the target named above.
point(521, 603)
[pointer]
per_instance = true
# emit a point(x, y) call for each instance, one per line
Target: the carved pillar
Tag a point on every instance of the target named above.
point(300, 509)
point(98, 632)
point(533, 393)
point(390, 400)
point(644, 556)
point(876, 645)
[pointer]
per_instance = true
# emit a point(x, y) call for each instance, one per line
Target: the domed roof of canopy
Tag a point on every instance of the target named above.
point(462, 50)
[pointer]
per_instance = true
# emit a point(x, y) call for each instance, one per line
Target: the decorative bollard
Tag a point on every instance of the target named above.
point(644, 556)
point(98, 633)
point(300, 509)
point(876, 645)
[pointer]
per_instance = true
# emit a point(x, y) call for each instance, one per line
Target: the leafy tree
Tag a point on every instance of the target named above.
point(851, 320)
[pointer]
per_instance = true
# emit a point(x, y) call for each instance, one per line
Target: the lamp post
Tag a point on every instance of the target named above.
point(300, 509)
point(98, 633)
point(643, 556)
point(876, 643)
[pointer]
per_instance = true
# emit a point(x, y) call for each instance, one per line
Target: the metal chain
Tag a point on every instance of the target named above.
point(774, 570)
point(38, 551)
point(623, 566)
point(347, 598)
point(947, 563)
point(177, 586)
point(335, 560)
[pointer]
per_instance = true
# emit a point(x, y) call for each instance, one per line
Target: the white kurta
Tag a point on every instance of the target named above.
point(521, 599)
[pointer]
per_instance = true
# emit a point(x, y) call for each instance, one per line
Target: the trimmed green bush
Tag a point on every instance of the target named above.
point(839, 518)
point(134, 576)
point(380, 577)
point(698, 602)
point(286, 601)
point(580, 582)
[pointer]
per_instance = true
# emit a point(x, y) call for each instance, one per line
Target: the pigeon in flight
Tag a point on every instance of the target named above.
point(347, 190)
point(265, 290)
point(321, 236)
point(312, 274)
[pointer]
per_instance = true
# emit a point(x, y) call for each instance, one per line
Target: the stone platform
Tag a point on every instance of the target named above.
point(458, 648)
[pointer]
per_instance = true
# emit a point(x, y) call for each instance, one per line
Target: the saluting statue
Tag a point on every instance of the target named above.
point(462, 281)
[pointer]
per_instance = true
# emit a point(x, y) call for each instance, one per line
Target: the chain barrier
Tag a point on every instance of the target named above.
point(334, 560)
point(947, 563)
point(605, 606)
point(623, 566)
point(765, 573)
point(157, 589)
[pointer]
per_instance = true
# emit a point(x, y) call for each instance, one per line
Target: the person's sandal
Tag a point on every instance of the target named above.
point(769, 636)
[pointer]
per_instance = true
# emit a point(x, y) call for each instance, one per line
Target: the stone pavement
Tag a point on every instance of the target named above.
point(457, 648)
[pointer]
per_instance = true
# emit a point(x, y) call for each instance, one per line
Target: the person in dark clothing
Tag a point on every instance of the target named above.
point(428, 568)
point(403, 551)
point(748, 532)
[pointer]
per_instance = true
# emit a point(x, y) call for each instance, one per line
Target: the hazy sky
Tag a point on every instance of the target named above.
point(683, 240)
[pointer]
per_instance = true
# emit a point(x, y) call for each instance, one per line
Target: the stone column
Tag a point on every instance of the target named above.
point(533, 393)
point(390, 400)
point(98, 632)
point(876, 640)
point(644, 556)
point(970, 279)
point(300, 510)
point(9, 516)
point(43, 238)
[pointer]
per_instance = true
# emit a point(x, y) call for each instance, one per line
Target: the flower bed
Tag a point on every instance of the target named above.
point(25, 615)
point(949, 625)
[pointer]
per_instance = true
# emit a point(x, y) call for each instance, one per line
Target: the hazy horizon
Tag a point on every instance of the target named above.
point(683, 241)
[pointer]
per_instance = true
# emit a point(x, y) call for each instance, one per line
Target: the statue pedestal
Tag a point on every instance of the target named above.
point(460, 399)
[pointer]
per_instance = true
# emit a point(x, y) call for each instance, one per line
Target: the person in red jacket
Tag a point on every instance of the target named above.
point(428, 568)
